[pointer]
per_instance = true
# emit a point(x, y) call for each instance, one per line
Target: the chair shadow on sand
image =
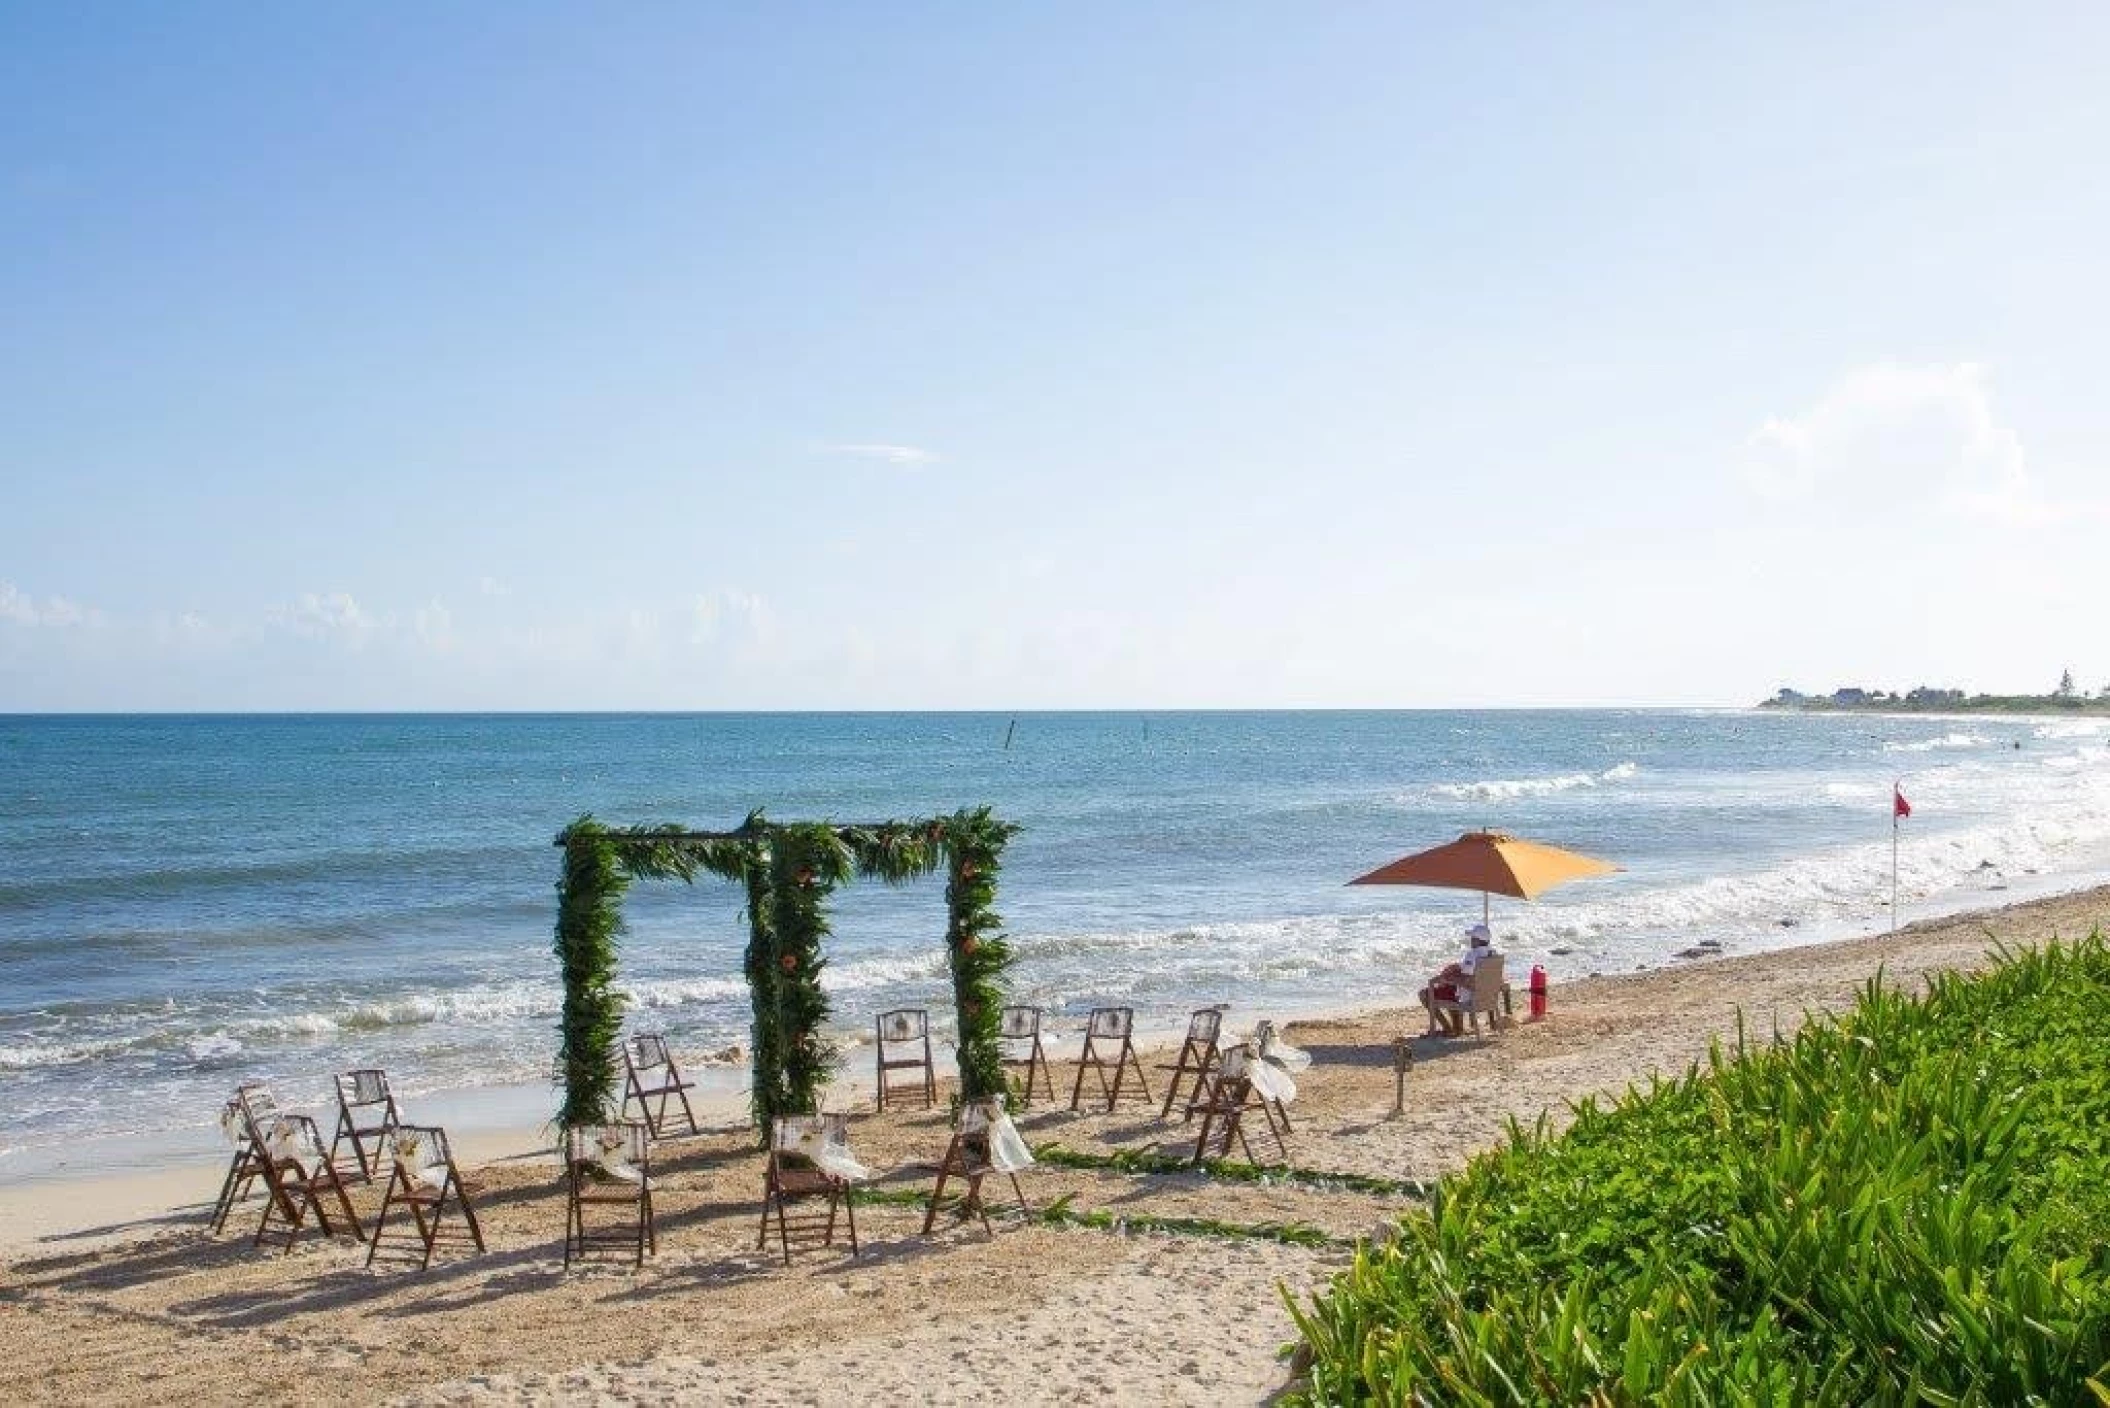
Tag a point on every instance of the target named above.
point(339, 1287)
point(1378, 1055)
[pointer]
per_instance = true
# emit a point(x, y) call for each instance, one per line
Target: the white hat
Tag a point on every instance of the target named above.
point(1480, 934)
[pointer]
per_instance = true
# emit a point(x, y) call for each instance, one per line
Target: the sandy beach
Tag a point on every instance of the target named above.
point(112, 1290)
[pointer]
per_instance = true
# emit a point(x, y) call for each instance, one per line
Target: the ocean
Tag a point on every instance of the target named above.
point(186, 902)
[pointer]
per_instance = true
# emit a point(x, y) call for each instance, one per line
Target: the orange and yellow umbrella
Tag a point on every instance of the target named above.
point(1493, 864)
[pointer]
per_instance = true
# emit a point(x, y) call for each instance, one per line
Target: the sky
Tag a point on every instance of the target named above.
point(531, 356)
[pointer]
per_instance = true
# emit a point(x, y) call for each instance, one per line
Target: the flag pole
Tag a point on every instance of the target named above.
point(1897, 790)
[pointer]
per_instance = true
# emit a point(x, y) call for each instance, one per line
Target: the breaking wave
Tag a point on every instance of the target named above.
point(1929, 745)
point(1497, 789)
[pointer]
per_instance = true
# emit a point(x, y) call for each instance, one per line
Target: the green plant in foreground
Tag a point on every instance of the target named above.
point(1908, 1204)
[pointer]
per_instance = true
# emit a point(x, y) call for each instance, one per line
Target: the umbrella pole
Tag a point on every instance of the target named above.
point(1484, 918)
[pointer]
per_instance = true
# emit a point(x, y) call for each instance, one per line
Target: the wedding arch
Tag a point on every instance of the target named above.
point(788, 870)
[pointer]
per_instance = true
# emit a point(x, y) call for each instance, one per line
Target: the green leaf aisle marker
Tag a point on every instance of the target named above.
point(1135, 1161)
point(1909, 1203)
point(1061, 1214)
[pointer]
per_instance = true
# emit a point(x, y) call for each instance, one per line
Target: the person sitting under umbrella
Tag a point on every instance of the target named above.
point(1455, 983)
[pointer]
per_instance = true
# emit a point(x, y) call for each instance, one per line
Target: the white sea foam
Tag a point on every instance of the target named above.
point(1498, 789)
point(870, 973)
point(24, 1058)
point(1929, 745)
point(57, 1053)
point(685, 992)
point(2079, 759)
point(2071, 728)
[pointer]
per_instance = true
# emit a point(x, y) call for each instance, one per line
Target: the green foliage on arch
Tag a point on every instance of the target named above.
point(787, 871)
point(975, 945)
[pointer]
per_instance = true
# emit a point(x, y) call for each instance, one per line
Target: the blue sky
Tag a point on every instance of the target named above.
point(531, 356)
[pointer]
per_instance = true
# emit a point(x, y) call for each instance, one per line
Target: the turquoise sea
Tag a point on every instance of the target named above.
point(188, 902)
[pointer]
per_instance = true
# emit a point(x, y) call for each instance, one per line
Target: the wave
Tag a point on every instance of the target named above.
point(1947, 740)
point(230, 1034)
point(2070, 728)
point(1498, 789)
point(29, 1058)
point(2086, 756)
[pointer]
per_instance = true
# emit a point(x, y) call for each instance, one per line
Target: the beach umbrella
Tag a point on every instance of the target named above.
point(1493, 864)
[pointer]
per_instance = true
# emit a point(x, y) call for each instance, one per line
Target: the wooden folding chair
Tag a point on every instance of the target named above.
point(608, 1165)
point(649, 1076)
point(366, 1112)
point(970, 1156)
point(423, 1176)
point(1197, 1058)
point(907, 1032)
point(809, 1161)
point(1109, 1027)
point(298, 1172)
point(1022, 1025)
point(246, 1162)
point(1223, 1109)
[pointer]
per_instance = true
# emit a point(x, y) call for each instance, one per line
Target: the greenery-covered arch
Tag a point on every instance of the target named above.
point(788, 870)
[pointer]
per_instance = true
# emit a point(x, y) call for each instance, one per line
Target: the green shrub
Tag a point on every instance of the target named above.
point(1907, 1204)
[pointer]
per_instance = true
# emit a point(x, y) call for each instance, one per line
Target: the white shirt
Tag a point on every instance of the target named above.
point(1473, 954)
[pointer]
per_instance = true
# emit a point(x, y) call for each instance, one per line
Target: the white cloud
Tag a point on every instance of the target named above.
point(729, 613)
point(325, 616)
point(20, 608)
point(908, 456)
point(1912, 436)
point(433, 624)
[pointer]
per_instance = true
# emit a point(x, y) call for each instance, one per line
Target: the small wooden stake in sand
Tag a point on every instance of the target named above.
point(1402, 1057)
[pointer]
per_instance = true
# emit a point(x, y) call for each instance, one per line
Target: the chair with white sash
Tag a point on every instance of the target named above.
point(1230, 1097)
point(608, 1166)
point(809, 1161)
point(246, 1157)
point(1275, 1072)
point(423, 1177)
point(985, 1142)
point(298, 1172)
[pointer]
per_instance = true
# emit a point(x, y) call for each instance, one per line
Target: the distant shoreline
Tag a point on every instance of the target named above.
point(2015, 706)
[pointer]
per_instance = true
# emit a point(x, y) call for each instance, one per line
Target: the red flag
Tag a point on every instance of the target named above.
point(1898, 805)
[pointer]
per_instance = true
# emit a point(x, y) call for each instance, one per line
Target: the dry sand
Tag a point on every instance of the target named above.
point(113, 1291)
